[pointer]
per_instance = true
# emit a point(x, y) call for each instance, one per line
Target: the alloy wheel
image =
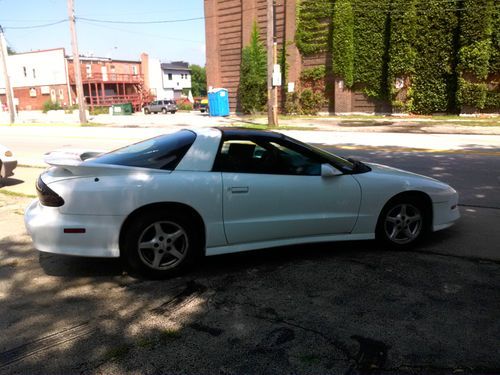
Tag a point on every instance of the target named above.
point(163, 245)
point(403, 224)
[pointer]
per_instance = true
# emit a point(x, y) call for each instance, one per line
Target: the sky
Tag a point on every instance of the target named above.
point(170, 41)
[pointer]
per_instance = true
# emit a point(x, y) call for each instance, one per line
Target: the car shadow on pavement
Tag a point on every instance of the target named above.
point(75, 267)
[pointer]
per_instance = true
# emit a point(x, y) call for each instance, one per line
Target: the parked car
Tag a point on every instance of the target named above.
point(7, 163)
point(163, 202)
point(204, 105)
point(163, 106)
point(201, 104)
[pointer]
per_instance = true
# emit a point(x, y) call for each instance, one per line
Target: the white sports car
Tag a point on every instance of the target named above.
point(163, 202)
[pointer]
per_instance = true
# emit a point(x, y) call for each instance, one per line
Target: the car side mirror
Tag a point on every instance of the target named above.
point(328, 171)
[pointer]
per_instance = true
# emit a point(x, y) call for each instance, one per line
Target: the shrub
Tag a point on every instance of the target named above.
point(51, 106)
point(252, 92)
point(493, 101)
point(311, 102)
point(472, 94)
point(292, 104)
point(343, 41)
point(99, 110)
point(185, 106)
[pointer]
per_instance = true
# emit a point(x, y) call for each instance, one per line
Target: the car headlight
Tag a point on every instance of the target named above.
point(8, 153)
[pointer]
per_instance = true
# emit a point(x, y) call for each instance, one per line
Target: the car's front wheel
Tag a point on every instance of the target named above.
point(164, 111)
point(160, 245)
point(403, 223)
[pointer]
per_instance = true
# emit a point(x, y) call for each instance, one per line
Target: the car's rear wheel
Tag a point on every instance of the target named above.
point(161, 245)
point(146, 111)
point(403, 223)
point(164, 111)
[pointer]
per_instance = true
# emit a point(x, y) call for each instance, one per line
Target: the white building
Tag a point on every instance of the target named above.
point(37, 77)
point(166, 80)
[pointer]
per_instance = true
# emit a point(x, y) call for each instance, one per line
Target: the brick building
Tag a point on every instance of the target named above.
point(49, 75)
point(37, 77)
point(228, 27)
point(107, 82)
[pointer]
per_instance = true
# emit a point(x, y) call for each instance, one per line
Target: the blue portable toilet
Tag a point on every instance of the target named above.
point(218, 102)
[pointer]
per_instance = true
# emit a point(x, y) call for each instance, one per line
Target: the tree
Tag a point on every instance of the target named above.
point(252, 92)
point(343, 41)
point(198, 80)
point(10, 51)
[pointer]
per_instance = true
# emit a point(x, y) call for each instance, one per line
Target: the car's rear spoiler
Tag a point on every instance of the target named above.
point(70, 157)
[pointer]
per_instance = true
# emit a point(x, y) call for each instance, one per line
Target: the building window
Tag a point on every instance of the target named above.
point(24, 71)
point(33, 92)
point(61, 94)
point(134, 69)
point(112, 67)
point(88, 68)
point(169, 76)
point(34, 73)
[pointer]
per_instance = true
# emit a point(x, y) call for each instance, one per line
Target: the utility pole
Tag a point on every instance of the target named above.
point(76, 63)
point(272, 91)
point(9, 92)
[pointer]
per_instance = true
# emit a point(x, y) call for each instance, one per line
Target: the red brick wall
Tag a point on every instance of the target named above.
point(228, 28)
point(28, 103)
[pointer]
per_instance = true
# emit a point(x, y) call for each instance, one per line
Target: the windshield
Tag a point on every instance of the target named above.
point(163, 152)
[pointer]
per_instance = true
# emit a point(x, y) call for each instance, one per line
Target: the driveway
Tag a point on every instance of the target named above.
point(323, 309)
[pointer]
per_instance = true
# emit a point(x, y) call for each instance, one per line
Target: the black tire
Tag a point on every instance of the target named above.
point(172, 112)
point(403, 223)
point(166, 253)
point(164, 111)
point(146, 111)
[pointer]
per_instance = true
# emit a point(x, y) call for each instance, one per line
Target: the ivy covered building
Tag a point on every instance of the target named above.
point(371, 56)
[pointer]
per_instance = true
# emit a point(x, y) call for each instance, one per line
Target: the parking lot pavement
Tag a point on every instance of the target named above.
point(318, 309)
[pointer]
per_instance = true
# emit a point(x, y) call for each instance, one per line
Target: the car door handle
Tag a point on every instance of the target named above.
point(239, 189)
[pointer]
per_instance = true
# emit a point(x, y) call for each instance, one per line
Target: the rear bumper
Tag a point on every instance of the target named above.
point(7, 168)
point(46, 227)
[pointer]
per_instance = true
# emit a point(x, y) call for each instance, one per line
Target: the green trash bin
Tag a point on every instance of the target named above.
point(122, 109)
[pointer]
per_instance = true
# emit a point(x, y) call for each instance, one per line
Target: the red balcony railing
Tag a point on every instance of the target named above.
point(109, 78)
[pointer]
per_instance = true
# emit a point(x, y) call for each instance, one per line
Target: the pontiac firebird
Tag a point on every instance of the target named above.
point(163, 202)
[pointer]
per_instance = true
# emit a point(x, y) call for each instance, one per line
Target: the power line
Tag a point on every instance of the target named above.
point(35, 26)
point(140, 22)
point(140, 33)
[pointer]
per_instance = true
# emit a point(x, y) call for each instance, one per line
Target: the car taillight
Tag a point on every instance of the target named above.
point(46, 195)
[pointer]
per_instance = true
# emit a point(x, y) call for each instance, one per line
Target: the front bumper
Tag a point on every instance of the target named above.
point(8, 167)
point(445, 214)
point(46, 227)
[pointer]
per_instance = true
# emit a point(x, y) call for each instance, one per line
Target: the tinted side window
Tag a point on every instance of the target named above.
point(266, 157)
point(163, 152)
